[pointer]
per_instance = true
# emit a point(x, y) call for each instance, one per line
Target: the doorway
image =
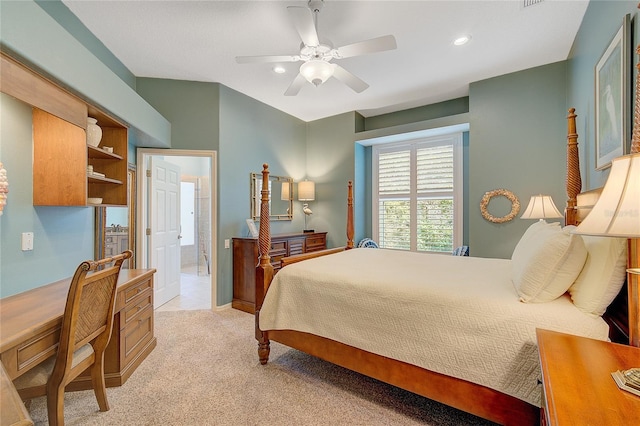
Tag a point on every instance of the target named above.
point(197, 226)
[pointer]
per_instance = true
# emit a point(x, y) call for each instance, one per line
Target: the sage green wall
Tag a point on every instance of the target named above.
point(252, 133)
point(331, 164)
point(63, 236)
point(517, 142)
point(190, 106)
point(412, 115)
point(601, 22)
point(61, 13)
point(246, 133)
point(30, 34)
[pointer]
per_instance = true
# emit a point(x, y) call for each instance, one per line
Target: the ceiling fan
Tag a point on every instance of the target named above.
point(317, 55)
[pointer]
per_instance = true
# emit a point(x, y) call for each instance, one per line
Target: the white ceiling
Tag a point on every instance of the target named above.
point(199, 40)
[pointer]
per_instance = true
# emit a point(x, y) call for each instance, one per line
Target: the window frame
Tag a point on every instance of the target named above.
point(454, 139)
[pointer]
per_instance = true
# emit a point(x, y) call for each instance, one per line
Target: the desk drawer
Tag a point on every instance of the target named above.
point(137, 333)
point(133, 309)
point(128, 294)
point(36, 350)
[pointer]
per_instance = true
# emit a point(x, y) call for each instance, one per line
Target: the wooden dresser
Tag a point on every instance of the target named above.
point(31, 321)
point(245, 259)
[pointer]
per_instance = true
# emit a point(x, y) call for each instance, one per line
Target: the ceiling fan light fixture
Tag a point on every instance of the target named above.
point(316, 71)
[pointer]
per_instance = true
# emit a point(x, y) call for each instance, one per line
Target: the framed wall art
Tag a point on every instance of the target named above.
point(613, 96)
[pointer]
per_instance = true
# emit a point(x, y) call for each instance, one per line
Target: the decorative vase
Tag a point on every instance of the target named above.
point(94, 132)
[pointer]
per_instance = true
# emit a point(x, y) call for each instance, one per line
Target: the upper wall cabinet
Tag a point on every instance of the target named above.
point(61, 156)
point(60, 151)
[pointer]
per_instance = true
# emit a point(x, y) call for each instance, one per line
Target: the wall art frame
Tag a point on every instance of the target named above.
point(613, 98)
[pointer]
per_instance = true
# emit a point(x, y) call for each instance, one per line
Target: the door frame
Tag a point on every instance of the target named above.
point(142, 246)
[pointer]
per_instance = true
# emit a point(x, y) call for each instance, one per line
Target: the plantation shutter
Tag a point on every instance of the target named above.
point(435, 198)
point(415, 195)
point(394, 187)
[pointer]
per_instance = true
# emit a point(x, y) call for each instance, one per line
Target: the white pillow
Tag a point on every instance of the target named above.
point(603, 274)
point(546, 261)
point(536, 228)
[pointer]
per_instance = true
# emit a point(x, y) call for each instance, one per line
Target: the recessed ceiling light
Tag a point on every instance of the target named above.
point(279, 69)
point(462, 40)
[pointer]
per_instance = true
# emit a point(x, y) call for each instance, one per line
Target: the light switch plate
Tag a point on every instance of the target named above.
point(27, 241)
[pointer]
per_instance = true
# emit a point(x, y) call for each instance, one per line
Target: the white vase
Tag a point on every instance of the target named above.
point(94, 132)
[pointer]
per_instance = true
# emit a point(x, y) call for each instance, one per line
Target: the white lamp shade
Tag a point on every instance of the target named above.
point(306, 191)
point(617, 211)
point(541, 207)
point(285, 194)
point(316, 71)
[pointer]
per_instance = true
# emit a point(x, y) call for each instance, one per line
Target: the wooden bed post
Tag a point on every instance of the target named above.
point(264, 270)
point(349, 216)
point(574, 182)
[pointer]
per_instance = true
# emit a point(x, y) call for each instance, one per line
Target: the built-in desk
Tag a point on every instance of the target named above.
point(30, 327)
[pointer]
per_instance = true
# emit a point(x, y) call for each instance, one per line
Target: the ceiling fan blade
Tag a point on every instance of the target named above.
point(349, 79)
point(378, 44)
point(303, 21)
point(266, 58)
point(296, 85)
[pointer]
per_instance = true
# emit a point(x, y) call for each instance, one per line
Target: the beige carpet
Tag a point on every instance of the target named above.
point(205, 371)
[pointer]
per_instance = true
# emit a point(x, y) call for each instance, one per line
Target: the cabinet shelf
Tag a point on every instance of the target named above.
point(99, 153)
point(100, 179)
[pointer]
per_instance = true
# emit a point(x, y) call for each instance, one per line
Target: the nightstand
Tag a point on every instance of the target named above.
point(577, 385)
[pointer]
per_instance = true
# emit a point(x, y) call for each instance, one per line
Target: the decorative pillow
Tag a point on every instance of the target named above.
point(603, 274)
point(546, 262)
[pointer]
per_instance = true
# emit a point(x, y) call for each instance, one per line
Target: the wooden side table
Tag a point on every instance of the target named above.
point(578, 387)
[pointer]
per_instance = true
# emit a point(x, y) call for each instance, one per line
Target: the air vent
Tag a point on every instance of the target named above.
point(528, 3)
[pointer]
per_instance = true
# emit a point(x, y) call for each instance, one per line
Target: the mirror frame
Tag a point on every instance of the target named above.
point(101, 218)
point(255, 197)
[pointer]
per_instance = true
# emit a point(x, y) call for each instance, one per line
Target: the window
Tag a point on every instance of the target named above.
point(417, 187)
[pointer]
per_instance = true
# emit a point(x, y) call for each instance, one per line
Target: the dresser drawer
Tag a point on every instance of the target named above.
point(137, 333)
point(316, 243)
point(277, 252)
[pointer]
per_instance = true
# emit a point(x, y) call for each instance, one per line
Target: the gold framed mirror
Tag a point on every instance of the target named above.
point(115, 227)
point(280, 197)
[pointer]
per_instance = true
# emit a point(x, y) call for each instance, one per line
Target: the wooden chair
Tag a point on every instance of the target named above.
point(85, 333)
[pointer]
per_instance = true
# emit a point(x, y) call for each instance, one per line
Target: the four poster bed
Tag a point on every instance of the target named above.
point(396, 327)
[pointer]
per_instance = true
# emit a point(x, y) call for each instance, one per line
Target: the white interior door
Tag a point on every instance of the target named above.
point(164, 223)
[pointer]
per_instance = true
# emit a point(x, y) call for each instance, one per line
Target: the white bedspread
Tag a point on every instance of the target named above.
point(458, 316)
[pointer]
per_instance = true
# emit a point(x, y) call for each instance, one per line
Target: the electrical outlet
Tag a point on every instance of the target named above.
point(226, 243)
point(27, 241)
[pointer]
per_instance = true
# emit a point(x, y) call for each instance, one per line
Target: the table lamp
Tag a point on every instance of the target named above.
point(617, 214)
point(541, 207)
point(306, 192)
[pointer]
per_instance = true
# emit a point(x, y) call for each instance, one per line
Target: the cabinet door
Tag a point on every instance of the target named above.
point(296, 246)
point(59, 162)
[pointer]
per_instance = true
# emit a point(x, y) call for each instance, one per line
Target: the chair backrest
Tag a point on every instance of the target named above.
point(461, 251)
point(88, 314)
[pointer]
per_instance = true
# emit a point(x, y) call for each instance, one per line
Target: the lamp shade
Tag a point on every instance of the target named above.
point(316, 71)
point(617, 211)
point(541, 207)
point(306, 191)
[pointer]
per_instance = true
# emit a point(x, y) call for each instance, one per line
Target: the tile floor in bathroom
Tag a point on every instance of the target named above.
point(195, 292)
